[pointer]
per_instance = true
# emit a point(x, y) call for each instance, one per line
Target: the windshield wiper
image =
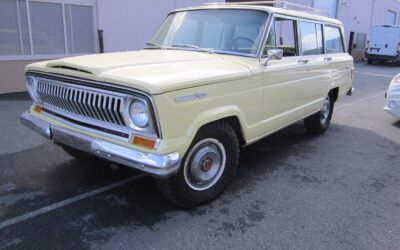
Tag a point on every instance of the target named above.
point(150, 45)
point(189, 46)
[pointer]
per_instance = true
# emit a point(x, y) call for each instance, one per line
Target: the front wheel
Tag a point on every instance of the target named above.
point(319, 122)
point(208, 166)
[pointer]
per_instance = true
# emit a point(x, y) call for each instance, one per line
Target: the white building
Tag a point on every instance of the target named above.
point(32, 30)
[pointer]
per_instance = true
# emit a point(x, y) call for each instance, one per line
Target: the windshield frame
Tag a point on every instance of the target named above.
point(216, 51)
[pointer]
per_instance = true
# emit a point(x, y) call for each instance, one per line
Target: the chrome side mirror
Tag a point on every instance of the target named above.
point(272, 54)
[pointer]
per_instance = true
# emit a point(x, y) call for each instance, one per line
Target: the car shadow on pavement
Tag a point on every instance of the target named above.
point(19, 96)
point(290, 158)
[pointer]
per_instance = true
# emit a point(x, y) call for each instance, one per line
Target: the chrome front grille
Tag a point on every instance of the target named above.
point(86, 103)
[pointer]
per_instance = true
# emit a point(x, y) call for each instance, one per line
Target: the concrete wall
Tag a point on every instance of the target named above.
point(12, 78)
point(127, 25)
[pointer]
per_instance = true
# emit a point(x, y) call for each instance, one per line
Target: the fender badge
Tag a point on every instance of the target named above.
point(186, 98)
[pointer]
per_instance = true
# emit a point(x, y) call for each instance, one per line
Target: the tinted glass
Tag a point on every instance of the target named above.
point(333, 40)
point(237, 31)
point(309, 42)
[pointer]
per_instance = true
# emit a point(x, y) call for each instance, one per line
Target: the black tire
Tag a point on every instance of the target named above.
point(319, 122)
point(181, 189)
point(77, 154)
point(370, 61)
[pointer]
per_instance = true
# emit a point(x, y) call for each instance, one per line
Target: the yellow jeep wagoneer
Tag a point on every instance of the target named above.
point(211, 80)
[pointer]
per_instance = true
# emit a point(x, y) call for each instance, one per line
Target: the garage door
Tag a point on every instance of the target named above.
point(327, 6)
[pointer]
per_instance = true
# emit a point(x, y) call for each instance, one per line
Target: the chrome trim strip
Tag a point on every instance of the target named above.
point(157, 165)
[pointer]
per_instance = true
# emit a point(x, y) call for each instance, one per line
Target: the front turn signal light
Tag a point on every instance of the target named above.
point(143, 142)
point(37, 108)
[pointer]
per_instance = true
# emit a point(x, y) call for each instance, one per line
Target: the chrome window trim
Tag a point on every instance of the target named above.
point(115, 89)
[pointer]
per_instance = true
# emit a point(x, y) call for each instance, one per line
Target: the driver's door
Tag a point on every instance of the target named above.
point(284, 85)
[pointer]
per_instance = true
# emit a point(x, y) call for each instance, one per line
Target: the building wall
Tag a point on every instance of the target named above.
point(12, 77)
point(126, 24)
point(360, 15)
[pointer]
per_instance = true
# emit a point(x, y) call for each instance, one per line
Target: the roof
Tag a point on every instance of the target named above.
point(275, 10)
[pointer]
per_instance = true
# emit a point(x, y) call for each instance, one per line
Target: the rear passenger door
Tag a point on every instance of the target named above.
point(341, 63)
point(318, 65)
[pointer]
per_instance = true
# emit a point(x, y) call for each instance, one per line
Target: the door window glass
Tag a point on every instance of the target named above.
point(333, 40)
point(282, 35)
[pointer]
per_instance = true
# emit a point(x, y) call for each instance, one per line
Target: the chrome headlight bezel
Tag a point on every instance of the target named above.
point(139, 114)
point(150, 126)
point(31, 85)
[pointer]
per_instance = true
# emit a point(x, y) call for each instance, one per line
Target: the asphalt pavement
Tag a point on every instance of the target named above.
point(340, 190)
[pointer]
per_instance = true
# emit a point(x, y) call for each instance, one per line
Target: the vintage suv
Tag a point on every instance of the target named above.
point(211, 80)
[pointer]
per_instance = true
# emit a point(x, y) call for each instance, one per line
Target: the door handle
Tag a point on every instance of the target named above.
point(303, 61)
point(328, 59)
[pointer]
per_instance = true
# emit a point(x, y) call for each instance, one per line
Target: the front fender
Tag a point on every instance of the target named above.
point(216, 114)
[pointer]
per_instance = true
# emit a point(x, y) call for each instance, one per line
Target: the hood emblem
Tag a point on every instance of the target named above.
point(186, 98)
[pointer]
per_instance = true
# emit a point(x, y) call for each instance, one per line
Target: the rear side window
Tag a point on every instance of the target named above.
point(333, 40)
point(311, 38)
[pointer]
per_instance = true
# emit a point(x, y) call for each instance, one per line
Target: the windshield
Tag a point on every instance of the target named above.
point(229, 31)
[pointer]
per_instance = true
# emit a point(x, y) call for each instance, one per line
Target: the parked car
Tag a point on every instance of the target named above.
point(392, 105)
point(383, 44)
point(211, 80)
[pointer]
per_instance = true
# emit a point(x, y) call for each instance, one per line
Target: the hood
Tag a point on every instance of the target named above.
point(153, 71)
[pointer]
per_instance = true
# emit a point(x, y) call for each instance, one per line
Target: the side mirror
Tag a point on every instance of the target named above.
point(273, 54)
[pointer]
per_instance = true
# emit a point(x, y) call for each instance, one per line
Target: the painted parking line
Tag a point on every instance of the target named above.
point(69, 201)
point(373, 74)
point(382, 94)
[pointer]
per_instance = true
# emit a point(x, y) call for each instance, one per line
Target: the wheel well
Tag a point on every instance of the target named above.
point(334, 93)
point(234, 122)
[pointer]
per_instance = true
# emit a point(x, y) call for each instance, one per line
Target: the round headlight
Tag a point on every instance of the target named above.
point(31, 86)
point(138, 113)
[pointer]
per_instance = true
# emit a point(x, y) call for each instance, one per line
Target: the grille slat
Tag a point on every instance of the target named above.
point(86, 103)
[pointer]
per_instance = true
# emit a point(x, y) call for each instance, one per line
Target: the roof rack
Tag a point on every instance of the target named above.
point(280, 4)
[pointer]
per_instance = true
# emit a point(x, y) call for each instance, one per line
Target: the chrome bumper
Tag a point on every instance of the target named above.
point(158, 165)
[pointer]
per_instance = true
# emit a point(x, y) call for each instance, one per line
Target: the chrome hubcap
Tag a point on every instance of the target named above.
point(204, 164)
point(326, 109)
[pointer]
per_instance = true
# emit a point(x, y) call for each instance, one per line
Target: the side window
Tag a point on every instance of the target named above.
point(311, 38)
point(333, 40)
point(282, 36)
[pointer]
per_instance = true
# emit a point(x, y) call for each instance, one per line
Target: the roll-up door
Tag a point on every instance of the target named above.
point(328, 7)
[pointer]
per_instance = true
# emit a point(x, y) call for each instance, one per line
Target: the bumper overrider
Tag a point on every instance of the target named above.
point(157, 165)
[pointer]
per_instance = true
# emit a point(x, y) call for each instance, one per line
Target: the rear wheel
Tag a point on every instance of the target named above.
point(208, 166)
point(319, 122)
point(370, 61)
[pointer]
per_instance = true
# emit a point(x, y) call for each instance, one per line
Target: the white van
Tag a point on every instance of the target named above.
point(383, 44)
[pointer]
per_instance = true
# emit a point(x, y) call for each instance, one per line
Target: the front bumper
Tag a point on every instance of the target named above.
point(157, 165)
point(382, 57)
point(393, 107)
